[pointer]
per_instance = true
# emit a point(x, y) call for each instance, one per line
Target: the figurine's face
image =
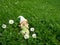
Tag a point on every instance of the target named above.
point(24, 23)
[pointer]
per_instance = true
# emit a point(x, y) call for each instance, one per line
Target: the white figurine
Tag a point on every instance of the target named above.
point(24, 25)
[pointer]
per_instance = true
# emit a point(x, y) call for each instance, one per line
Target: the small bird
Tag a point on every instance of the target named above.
point(24, 25)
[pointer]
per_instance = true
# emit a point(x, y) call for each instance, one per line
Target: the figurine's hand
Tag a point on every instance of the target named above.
point(19, 25)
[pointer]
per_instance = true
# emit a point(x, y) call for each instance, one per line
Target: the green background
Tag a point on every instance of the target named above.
point(43, 15)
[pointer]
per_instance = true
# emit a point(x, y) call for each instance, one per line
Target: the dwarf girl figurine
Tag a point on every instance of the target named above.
point(24, 25)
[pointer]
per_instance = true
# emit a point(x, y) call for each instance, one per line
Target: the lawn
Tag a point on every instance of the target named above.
point(43, 15)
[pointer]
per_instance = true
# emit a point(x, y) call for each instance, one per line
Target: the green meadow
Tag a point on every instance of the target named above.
point(43, 15)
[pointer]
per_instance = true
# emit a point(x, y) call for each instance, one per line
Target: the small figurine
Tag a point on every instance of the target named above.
point(24, 25)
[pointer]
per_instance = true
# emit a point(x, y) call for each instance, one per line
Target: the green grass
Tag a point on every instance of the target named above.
point(43, 15)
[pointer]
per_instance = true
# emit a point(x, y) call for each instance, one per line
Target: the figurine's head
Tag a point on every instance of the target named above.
point(22, 19)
